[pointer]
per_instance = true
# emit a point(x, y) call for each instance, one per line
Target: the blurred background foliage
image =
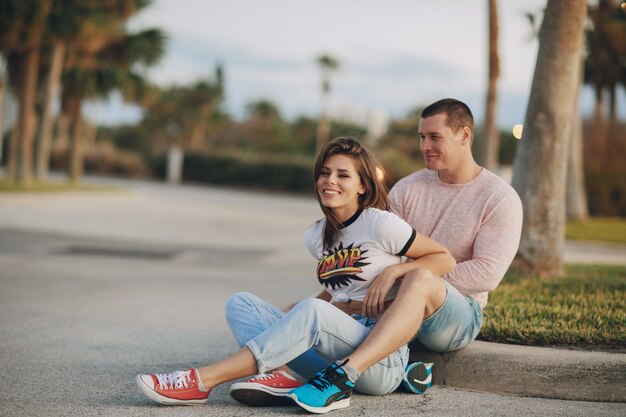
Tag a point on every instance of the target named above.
point(71, 51)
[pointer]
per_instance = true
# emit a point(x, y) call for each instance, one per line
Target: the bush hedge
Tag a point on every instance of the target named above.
point(104, 158)
point(606, 192)
point(283, 173)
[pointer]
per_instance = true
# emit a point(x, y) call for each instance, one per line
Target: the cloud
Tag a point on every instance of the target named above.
point(192, 57)
point(394, 56)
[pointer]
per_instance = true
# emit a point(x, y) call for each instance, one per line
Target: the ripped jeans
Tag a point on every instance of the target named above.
point(308, 338)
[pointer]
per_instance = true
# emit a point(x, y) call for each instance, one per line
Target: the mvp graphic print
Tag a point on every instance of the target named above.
point(340, 266)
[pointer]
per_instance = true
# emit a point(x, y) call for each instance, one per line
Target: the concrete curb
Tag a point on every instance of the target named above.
point(531, 371)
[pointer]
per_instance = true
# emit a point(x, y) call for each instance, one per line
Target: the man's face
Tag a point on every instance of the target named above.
point(442, 149)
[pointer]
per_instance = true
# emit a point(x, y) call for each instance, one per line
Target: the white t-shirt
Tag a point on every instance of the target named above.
point(367, 243)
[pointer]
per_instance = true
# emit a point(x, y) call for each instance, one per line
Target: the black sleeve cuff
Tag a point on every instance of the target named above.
point(408, 244)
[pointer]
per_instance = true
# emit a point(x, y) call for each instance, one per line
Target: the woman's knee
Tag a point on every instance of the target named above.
point(316, 309)
point(311, 304)
point(237, 302)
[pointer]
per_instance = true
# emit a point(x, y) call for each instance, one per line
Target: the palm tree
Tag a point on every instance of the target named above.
point(64, 23)
point(266, 127)
point(327, 65)
point(540, 163)
point(201, 100)
point(105, 58)
point(489, 143)
point(180, 115)
point(3, 84)
point(576, 206)
point(22, 26)
point(263, 109)
point(605, 66)
point(11, 23)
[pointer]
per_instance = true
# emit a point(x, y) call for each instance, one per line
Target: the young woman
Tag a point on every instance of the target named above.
point(357, 242)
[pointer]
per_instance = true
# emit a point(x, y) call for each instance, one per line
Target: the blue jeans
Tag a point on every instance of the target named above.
point(454, 325)
point(307, 339)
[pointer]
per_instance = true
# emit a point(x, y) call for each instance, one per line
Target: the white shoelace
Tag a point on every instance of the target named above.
point(177, 379)
point(265, 377)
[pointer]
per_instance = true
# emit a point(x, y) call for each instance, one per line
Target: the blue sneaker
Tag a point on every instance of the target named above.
point(418, 376)
point(328, 390)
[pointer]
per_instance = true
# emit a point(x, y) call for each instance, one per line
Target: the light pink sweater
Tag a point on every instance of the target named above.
point(480, 222)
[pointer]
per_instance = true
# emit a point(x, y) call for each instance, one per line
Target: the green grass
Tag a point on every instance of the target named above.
point(586, 307)
point(608, 229)
point(46, 186)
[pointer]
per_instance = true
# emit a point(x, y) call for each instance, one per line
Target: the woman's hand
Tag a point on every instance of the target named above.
point(374, 301)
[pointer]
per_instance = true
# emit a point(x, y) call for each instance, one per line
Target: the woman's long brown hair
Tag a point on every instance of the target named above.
point(370, 173)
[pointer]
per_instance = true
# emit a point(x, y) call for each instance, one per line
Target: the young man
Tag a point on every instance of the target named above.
point(469, 210)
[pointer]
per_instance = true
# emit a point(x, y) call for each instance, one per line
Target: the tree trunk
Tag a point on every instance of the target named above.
point(28, 91)
point(89, 133)
point(323, 124)
point(13, 158)
point(62, 140)
point(576, 196)
point(598, 134)
point(47, 121)
point(489, 143)
point(196, 140)
point(612, 107)
point(539, 170)
point(27, 118)
point(2, 91)
point(323, 132)
point(75, 150)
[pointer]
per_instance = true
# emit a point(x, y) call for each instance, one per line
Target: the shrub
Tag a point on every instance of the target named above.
point(605, 172)
point(606, 192)
point(105, 158)
point(284, 173)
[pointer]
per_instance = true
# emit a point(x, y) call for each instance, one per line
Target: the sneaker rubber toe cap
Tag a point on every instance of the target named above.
point(145, 380)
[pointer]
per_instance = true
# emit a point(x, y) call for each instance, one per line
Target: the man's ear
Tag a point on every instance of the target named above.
point(467, 135)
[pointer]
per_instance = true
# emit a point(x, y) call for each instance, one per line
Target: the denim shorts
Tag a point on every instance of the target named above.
point(364, 320)
point(453, 326)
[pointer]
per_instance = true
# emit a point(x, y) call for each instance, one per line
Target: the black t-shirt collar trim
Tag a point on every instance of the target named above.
point(351, 219)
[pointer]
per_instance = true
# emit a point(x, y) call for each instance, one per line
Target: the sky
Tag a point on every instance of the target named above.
point(394, 55)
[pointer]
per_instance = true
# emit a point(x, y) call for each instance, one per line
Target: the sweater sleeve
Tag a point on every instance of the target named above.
point(395, 205)
point(495, 246)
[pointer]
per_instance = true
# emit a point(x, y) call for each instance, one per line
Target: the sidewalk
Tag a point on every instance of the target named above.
point(98, 286)
point(531, 371)
point(588, 252)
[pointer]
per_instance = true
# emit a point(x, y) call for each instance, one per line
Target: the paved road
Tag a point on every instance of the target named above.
point(96, 287)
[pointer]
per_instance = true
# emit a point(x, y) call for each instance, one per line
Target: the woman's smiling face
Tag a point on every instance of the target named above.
point(339, 186)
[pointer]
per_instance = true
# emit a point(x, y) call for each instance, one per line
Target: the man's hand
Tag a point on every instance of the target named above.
point(374, 301)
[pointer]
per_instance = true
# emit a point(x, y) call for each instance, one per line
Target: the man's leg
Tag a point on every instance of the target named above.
point(454, 326)
point(420, 295)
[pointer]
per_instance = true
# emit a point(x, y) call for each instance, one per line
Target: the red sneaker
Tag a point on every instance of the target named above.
point(265, 389)
point(175, 388)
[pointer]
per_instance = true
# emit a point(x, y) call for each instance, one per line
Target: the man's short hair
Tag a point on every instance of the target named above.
point(457, 113)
